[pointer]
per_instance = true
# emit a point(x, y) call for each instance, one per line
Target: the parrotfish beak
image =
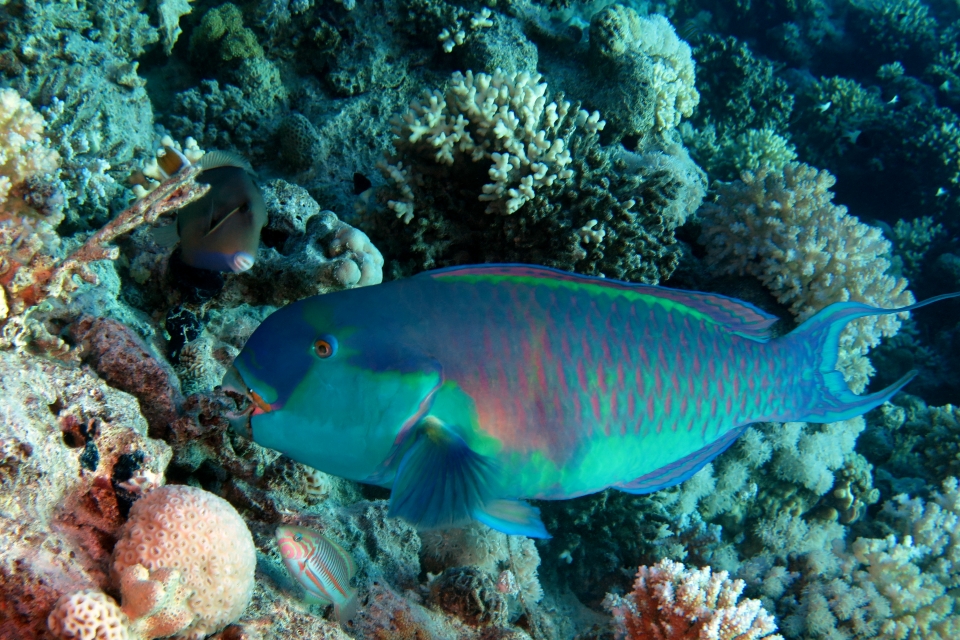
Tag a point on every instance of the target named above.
point(240, 421)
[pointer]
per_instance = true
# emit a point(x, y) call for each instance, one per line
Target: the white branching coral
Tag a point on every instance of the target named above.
point(455, 34)
point(672, 602)
point(783, 228)
point(901, 586)
point(620, 29)
point(504, 120)
point(24, 152)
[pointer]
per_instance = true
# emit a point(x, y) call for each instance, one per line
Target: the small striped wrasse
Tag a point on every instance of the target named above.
point(322, 567)
point(467, 390)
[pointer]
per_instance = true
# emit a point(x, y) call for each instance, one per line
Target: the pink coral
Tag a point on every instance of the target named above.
point(671, 602)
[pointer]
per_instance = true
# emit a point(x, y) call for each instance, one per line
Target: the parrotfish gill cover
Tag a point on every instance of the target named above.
point(466, 390)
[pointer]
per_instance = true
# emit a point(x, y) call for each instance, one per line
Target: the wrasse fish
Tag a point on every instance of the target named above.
point(221, 230)
point(466, 390)
point(322, 567)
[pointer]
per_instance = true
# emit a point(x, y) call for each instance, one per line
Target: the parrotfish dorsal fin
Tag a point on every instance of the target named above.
point(735, 316)
point(217, 159)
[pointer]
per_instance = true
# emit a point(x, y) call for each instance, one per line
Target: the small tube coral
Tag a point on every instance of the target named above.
point(671, 602)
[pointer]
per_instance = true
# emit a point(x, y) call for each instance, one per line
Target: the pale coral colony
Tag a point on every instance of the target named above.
point(790, 154)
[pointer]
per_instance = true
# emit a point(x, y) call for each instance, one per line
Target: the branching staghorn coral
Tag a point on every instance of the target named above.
point(671, 602)
point(783, 228)
point(503, 120)
point(32, 273)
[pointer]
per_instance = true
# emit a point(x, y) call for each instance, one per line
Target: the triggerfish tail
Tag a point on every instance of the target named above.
point(833, 401)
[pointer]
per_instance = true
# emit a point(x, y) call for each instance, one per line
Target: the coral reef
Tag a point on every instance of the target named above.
point(552, 195)
point(200, 536)
point(574, 135)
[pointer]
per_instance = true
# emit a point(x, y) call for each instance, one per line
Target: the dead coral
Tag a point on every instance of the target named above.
point(125, 362)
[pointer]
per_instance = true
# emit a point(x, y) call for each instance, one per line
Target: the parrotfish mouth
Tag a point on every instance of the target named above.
point(240, 420)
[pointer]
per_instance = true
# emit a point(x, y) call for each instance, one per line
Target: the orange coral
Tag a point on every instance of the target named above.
point(671, 602)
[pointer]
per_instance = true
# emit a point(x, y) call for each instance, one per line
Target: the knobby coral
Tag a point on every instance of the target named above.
point(671, 602)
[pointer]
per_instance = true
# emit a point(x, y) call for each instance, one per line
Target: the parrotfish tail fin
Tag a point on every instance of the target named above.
point(442, 482)
point(347, 611)
point(822, 331)
point(683, 469)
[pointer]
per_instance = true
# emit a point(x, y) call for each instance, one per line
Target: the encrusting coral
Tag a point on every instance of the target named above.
point(619, 32)
point(671, 602)
point(783, 228)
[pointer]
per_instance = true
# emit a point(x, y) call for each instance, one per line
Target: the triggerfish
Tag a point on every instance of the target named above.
point(221, 230)
point(322, 567)
point(466, 390)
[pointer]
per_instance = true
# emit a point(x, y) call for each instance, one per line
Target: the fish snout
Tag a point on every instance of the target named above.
point(240, 421)
point(241, 261)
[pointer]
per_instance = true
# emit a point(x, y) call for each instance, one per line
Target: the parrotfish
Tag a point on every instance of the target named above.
point(221, 230)
point(322, 567)
point(467, 390)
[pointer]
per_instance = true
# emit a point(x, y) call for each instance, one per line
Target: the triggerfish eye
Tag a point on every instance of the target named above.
point(325, 347)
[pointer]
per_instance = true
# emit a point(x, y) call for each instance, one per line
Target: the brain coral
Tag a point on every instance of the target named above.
point(203, 537)
point(784, 229)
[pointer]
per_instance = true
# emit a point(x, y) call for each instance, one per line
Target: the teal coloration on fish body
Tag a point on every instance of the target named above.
point(221, 230)
point(467, 390)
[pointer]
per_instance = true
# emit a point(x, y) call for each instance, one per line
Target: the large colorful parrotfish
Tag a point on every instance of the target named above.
point(466, 390)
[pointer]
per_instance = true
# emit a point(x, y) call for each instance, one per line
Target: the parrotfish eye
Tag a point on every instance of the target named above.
point(325, 346)
point(298, 537)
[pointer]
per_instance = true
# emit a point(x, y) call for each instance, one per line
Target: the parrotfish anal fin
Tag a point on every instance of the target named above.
point(440, 481)
point(737, 317)
point(683, 469)
point(513, 517)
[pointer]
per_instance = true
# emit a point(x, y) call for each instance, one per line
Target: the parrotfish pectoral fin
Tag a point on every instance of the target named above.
point(513, 517)
point(440, 481)
point(681, 470)
point(836, 402)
